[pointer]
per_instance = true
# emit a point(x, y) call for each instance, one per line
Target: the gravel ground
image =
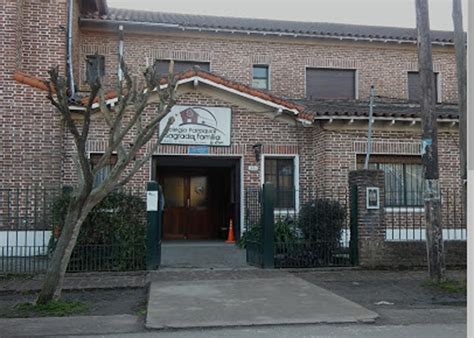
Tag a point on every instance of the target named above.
point(99, 302)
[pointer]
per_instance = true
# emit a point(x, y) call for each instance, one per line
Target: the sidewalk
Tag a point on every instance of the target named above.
point(245, 298)
point(189, 298)
point(75, 325)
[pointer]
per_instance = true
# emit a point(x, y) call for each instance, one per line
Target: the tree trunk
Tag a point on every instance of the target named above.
point(53, 281)
point(461, 74)
point(432, 196)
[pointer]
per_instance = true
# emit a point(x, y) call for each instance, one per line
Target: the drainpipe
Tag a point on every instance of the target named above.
point(120, 53)
point(70, 71)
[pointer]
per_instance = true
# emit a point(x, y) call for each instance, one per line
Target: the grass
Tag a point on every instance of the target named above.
point(55, 308)
point(447, 286)
point(141, 311)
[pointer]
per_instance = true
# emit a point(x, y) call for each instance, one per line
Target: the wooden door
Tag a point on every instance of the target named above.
point(186, 213)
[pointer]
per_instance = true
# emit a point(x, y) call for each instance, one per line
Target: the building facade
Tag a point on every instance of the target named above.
point(260, 100)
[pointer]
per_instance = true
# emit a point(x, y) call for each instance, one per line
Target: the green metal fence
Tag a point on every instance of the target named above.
point(315, 233)
point(27, 238)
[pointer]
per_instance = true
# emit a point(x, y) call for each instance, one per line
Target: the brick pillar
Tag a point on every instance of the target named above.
point(370, 222)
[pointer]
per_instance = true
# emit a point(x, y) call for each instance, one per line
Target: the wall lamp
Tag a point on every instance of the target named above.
point(257, 149)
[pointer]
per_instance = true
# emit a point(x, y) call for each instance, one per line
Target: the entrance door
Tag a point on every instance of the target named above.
point(186, 213)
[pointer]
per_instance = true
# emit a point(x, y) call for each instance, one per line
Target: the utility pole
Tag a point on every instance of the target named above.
point(429, 146)
point(461, 73)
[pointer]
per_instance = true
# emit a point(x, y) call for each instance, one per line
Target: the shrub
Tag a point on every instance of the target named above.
point(117, 224)
point(321, 221)
point(284, 233)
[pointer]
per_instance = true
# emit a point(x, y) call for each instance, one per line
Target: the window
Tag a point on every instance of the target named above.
point(260, 77)
point(403, 179)
point(181, 66)
point(280, 172)
point(414, 88)
point(324, 83)
point(95, 67)
point(105, 170)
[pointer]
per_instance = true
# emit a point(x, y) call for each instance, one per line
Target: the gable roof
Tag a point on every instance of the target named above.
point(265, 26)
point(200, 76)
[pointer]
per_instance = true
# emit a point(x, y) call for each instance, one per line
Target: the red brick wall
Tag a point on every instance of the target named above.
point(338, 156)
point(30, 130)
point(248, 128)
point(384, 65)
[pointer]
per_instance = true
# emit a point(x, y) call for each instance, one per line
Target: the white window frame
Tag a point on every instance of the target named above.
point(296, 176)
point(269, 82)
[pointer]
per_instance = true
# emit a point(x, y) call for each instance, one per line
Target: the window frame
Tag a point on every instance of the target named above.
point(356, 81)
point(267, 67)
point(295, 159)
point(438, 86)
point(94, 158)
point(102, 68)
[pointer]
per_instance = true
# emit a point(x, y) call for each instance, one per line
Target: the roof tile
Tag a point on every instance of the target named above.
point(267, 25)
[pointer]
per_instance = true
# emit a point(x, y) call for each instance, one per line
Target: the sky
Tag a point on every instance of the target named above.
point(400, 13)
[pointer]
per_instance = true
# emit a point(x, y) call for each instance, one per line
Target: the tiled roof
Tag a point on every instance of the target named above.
point(307, 109)
point(31, 81)
point(234, 24)
point(219, 80)
point(264, 95)
point(216, 79)
point(382, 108)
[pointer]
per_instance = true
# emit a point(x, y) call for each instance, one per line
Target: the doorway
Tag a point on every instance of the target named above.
point(201, 197)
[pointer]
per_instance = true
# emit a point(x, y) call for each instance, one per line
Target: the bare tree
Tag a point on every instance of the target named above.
point(461, 74)
point(432, 198)
point(125, 122)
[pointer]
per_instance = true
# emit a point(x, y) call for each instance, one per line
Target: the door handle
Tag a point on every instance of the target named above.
point(187, 202)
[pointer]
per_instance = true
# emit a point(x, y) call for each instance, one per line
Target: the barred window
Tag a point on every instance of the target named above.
point(403, 179)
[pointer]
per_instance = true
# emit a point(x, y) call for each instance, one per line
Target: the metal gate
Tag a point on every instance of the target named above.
point(320, 232)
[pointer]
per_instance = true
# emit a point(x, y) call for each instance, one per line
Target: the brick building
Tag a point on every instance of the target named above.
point(285, 102)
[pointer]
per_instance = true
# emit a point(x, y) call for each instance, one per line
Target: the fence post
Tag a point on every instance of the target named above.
point(153, 233)
point(370, 217)
point(354, 236)
point(268, 226)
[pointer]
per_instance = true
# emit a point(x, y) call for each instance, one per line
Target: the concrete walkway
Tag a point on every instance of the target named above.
point(201, 254)
point(257, 298)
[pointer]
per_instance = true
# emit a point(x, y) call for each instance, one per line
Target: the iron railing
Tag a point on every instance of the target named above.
point(27, 240)
point(407, 222)
point(295, 248)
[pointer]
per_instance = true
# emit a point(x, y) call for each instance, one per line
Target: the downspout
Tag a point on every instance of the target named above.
point(70, 71)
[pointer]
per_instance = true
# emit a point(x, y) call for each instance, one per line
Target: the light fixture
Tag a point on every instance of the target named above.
point(257, 149)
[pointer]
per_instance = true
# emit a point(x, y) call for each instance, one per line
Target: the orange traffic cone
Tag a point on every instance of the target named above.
point(230, 235)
